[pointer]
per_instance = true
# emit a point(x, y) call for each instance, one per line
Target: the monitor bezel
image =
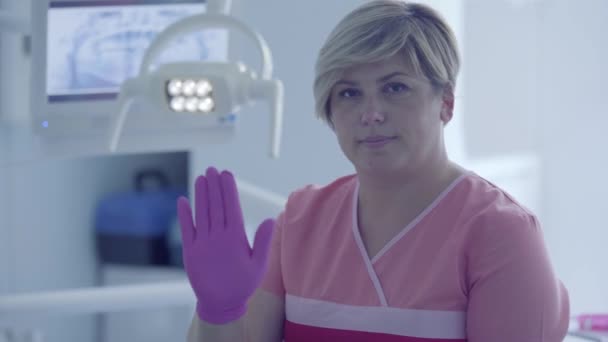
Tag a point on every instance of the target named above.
point(78, 119)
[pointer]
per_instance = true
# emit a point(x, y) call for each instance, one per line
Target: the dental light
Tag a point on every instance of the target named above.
point(201, 90)
point(190, 95)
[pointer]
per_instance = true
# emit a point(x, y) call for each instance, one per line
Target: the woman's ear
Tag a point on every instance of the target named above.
point(447, 105)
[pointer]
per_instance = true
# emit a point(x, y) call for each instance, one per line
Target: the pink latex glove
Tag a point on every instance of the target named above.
point(223, 270)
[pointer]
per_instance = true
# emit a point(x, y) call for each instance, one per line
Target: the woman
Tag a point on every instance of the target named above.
point(411, 248)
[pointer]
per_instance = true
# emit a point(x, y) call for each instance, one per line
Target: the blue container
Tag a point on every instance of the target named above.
point(132, 227)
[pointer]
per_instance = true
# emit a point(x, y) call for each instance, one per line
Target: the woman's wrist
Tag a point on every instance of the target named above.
point(220, 317)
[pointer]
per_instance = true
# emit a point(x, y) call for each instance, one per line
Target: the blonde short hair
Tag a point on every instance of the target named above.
point(379, 29)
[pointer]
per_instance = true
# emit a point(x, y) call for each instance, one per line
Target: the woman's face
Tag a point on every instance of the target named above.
point(388, 119)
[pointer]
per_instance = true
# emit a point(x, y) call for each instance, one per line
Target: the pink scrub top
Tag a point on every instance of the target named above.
point(471, 267)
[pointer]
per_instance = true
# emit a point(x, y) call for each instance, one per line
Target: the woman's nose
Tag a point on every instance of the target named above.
point(372, 113)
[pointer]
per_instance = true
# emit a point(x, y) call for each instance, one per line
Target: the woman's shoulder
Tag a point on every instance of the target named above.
point(486, 197)
point(488, 208)
point(320, 199)
point(316, 192)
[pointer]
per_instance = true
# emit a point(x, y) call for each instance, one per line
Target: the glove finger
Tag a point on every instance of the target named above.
point(232, 206)
point(201, 205)
point(216, 203)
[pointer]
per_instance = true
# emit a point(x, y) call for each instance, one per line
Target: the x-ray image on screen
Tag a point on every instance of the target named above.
point(92, 48)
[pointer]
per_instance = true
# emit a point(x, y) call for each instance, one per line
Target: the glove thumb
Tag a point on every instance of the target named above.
point(261, 244)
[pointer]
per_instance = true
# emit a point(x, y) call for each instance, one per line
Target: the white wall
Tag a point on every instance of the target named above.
point(536, 83)
point(573, 109)
point(501, 79)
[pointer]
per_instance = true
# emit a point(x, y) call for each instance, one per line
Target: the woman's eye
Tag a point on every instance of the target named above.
point(395, 87)
point(346, 93)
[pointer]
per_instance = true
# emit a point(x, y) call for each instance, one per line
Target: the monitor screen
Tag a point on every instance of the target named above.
point(93, 46)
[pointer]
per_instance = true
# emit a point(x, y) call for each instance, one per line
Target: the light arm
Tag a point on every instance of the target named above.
point(199, 22)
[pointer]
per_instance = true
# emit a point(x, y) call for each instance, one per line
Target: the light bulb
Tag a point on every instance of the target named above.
point(174, 87)
point(203, 88)
point(189, 88)
point(206, 105)
point(178, 103)
point(192, 104)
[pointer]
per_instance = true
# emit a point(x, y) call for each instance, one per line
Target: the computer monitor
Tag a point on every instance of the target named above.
point(83, 50)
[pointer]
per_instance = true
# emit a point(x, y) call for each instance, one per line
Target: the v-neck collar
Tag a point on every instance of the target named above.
point(369, 263)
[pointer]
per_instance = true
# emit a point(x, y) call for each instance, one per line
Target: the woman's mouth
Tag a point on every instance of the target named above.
point(377, 141)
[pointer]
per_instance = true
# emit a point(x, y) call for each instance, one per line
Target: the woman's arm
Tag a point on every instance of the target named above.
point(514, 294)
point(202, 331)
